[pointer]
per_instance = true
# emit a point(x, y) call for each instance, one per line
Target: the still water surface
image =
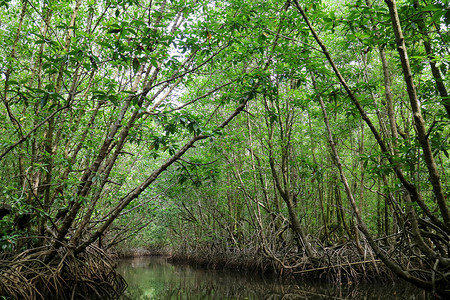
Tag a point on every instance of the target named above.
point(155, 278)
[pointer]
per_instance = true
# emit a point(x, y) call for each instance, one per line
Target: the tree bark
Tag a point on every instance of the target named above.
point(419, 121)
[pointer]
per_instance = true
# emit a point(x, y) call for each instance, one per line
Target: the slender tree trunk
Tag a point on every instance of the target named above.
point(282, 182)
point(419, 122)
point(443, 262)
point(361, 224)
point(415, 194)
point(439, 81)
point(320, 180)
point(139, 189)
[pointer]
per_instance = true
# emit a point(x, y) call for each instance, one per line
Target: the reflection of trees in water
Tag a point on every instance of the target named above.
point(144, 262)
point(160, 280)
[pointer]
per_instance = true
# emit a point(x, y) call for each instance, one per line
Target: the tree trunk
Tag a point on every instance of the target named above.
point(419, 122)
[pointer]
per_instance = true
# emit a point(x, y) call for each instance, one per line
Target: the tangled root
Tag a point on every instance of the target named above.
point(90, 275)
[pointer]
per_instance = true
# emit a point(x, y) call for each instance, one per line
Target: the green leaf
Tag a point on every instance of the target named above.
point(431, 7)
point(447, 17)
point(154, 62)
point(138, 23)
point(104, 44)
point(136, 65)
point(44, 100)
point(115, 30)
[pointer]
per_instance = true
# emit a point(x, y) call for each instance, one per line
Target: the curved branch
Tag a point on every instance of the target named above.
point(25, 137)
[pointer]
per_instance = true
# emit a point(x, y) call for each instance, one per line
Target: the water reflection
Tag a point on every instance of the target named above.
point(154, 278)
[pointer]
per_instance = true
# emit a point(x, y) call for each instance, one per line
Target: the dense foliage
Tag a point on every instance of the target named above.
point(267, 131)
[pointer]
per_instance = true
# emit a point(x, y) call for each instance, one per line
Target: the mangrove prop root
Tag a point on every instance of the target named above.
point(338, 264)
point(90, 275)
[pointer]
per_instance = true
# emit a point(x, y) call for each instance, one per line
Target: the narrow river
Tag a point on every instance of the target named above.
point(155, 278)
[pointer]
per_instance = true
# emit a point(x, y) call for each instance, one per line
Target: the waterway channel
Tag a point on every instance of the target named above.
point(155, 278)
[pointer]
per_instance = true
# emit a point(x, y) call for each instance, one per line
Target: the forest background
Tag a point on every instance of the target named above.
point(293, 136)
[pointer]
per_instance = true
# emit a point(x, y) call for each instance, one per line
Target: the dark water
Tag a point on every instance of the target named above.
point(155, 278)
